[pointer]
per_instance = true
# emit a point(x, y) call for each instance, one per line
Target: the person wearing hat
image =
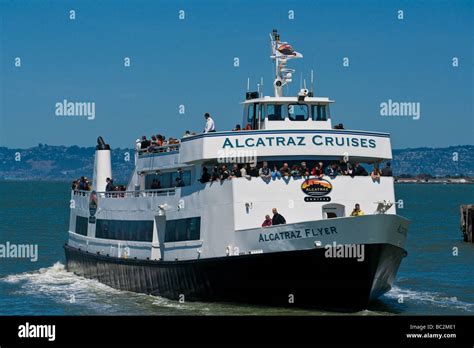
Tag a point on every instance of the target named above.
point(210, 127)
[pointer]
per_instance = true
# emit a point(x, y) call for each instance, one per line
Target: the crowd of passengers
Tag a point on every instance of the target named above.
point(333, 169)
point(83, 184)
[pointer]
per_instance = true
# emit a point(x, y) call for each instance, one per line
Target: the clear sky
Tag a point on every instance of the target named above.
point(190, 62)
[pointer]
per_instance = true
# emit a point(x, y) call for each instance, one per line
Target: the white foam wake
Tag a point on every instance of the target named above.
point(432, 298)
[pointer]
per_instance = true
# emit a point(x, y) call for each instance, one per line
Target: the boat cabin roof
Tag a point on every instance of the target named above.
point(283, 100)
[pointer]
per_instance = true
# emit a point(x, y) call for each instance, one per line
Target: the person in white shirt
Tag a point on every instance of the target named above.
point(210, 127)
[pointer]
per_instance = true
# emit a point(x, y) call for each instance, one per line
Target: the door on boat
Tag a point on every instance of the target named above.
point(333, 210)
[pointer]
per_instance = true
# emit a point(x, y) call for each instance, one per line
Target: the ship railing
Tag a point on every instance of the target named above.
point(130, 194)
point(159, 149)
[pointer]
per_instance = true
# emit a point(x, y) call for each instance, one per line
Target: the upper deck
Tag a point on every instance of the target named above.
point(364, 146)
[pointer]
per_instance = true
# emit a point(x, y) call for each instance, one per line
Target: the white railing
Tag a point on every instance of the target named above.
point(129, 194)
point(159, 149)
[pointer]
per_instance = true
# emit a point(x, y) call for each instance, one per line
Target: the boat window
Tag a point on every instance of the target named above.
point(81, 225)
point(320, 112)
point(134, 230)
point(251, 113)
point(262, 112)
point(165, 180)
point(183, 229)
point(298, 112)
point(275, 112)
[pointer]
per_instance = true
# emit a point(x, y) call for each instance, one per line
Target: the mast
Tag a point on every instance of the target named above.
point(281, 53)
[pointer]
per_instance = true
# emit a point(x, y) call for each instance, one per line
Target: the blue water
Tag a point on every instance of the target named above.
point(431, 279)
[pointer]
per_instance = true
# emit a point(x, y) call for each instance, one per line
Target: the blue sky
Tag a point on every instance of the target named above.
point(190, 62)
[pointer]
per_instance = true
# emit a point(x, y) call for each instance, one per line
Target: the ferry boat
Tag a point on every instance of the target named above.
point(203, 240)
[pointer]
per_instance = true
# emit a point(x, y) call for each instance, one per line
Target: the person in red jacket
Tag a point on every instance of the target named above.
point(267, 222)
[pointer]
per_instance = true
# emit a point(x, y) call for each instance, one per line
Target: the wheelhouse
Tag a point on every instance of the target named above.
point(287, 113)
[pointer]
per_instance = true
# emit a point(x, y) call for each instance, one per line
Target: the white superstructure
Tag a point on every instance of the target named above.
point(223, 218)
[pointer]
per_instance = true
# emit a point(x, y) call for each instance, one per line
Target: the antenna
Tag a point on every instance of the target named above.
point(301, 80)
point(261, 83)
point(312, 81)
point(304, 83)
point(248, 84)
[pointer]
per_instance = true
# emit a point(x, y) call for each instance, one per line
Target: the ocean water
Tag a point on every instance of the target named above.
point(436, 278)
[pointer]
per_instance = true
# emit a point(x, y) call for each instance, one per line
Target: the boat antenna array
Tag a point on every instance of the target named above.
point(281, 53)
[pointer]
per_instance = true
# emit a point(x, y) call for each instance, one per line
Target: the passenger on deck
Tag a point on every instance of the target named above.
point(145, 143)
point(267, 222)
point(295, 172)
point(304, 170)
point(82, 184)
point(205, 176)
point(359, 170)
point(187, 134)
point(331, 170)
point(285, 170)
point(357, 211)
point(265, 172)
point(343, 168)
point(376, 173)
point(179, 179)
point(224, 172)
point(75, 185)
point(235, 173)
point(215, 173)
point(276, 174)
point(237, 128)
point(87, 185)
point(318, 170)
point(210, 127)
point(248, 127)
point(110, 185)
point(277, 219)
point(253, 171)
point(156, 184)
point(159, 140)
point(387, 170)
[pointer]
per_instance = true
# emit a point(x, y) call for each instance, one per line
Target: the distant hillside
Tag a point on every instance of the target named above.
point(64, 163)
point(453, 160)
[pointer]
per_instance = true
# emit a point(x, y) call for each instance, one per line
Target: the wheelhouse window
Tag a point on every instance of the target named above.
point(298, 112)
point(320, 112)
point(252, 110)
point(275, 112)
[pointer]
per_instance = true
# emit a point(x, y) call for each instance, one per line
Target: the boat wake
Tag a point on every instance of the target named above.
point(80, 296)
point(430, 300)
point(88, 296)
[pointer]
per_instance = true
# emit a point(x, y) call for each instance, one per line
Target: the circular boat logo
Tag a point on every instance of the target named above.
point(316, 187)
